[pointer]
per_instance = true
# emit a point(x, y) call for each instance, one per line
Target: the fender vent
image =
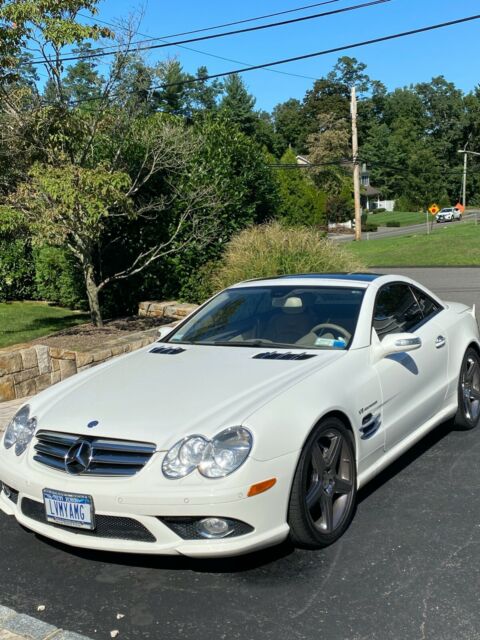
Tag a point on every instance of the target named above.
point(276, 355)
point(167, 351)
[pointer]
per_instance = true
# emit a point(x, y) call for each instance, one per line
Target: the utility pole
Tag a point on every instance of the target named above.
point(356, 167)
point(464, 187)
point(464, 183)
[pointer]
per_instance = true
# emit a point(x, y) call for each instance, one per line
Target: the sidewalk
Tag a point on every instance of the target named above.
point(17, 626)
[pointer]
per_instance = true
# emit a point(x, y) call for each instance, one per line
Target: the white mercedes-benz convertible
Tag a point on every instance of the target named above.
point(255, 419)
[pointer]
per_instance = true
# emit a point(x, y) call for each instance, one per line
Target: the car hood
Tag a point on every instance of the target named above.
point(159, 398)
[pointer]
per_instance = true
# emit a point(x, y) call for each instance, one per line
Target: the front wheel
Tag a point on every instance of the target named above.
point(322, 501)
point(468, 414)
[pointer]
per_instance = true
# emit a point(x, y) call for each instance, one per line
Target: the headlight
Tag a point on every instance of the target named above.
point(214, 458)
point(20, 431)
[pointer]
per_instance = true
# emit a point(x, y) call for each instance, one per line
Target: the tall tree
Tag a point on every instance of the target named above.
point(82, 81)
point(204, 94)
point(290, 126)
point(300, 201)
point(238, 105)
point(172, 96)
point(350, 73)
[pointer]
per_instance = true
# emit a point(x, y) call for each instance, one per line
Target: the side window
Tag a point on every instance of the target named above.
point(428, 307)
point(396, 310)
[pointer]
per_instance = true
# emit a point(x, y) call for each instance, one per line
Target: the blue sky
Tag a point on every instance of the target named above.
point(452, 52)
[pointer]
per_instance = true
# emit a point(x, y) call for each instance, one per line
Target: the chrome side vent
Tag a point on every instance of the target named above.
point(100, 457)
point(170, 351)
point(277, 355)
point(370, 425)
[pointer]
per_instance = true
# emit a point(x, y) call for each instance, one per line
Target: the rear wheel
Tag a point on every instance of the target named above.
point(324, 488)
point(468, 414)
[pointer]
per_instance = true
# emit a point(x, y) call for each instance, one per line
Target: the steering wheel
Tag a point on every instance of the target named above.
point(320, 329)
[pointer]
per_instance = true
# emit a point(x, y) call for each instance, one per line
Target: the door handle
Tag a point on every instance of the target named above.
point(440, 342)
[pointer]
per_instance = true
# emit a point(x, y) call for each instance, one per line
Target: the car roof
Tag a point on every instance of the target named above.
point(308, 279)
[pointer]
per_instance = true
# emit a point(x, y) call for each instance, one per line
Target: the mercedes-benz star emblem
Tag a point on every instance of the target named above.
point(78, 457)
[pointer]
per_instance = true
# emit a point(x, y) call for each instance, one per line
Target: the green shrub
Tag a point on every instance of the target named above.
point(393, 223)
point(272, 250)
point(379, 210)
point(58, 278)
point(404, 204)
point(16, 270)
point(369, 227)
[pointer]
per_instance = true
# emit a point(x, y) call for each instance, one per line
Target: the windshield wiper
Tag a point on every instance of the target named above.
point(254, 343)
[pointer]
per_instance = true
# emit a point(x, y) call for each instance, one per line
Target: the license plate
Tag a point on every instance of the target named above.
point(69, 509)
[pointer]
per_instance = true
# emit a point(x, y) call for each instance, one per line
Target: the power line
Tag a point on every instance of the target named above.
point(316, 54)
point(218, 26)
point(363, 43)
point(224, 33)
point(213, 55)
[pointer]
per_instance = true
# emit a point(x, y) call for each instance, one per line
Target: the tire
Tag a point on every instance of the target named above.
point(468, 413)
point(324, 489)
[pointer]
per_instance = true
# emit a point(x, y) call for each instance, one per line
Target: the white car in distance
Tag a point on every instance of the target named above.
point(449, 214)
point(255, 419)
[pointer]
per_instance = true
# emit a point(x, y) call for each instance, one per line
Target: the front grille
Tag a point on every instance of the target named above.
point(107, 457)
point(106, 526)
point(276, 355)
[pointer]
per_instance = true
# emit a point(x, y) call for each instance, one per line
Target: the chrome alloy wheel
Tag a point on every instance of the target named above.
point(329, 490)
point(470, 389)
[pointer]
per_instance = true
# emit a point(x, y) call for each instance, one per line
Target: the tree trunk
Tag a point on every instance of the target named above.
point(92, 295)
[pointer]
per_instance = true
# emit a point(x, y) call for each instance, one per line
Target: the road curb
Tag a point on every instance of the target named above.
point(18, 626)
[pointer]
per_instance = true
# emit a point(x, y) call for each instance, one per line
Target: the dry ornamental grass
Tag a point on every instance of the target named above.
point(272, 250)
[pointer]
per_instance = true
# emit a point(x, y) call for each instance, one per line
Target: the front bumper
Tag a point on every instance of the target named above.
point(147, 498)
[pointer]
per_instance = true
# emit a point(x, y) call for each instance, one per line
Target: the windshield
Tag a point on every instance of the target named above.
point(276, 316)
point(446, 211)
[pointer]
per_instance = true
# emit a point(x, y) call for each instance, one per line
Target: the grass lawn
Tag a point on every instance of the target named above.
point(450, 244)
point(405, 218)
point(24, 321)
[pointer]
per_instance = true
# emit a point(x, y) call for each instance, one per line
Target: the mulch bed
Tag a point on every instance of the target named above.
point(84, 337)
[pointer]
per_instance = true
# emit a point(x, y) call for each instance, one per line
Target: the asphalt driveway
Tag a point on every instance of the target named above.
point(408, 567)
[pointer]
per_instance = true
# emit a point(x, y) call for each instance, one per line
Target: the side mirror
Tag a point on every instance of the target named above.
point(165, 330)
point(396, 343)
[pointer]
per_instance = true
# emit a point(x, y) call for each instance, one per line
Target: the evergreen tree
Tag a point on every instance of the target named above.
point(173, 97)
point(82, 81)
point(238, 105)
point(300, 201)
point(204, 94)
point(290, 126)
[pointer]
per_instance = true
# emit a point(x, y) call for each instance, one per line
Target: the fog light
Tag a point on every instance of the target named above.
point(214, 528)
point(6, 490)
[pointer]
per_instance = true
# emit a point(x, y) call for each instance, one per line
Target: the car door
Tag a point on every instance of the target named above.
point(413, 384)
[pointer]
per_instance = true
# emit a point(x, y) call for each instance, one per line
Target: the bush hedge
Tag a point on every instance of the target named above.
point(273, 250)
point(58, 279)
point(16, 270)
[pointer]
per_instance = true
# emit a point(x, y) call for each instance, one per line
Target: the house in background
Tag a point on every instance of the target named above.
point(370, 196)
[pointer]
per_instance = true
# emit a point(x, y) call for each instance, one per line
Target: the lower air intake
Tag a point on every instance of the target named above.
point(106, 526)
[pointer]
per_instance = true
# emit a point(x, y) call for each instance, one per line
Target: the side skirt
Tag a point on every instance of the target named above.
point(405, 444)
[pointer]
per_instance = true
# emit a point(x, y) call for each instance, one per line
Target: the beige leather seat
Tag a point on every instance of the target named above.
point(290, 323)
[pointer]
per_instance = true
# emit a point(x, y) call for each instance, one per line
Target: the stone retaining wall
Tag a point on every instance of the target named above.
point(173, 310)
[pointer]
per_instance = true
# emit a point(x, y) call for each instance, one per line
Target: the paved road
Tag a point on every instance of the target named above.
point(392, 232)
point(408, 567)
